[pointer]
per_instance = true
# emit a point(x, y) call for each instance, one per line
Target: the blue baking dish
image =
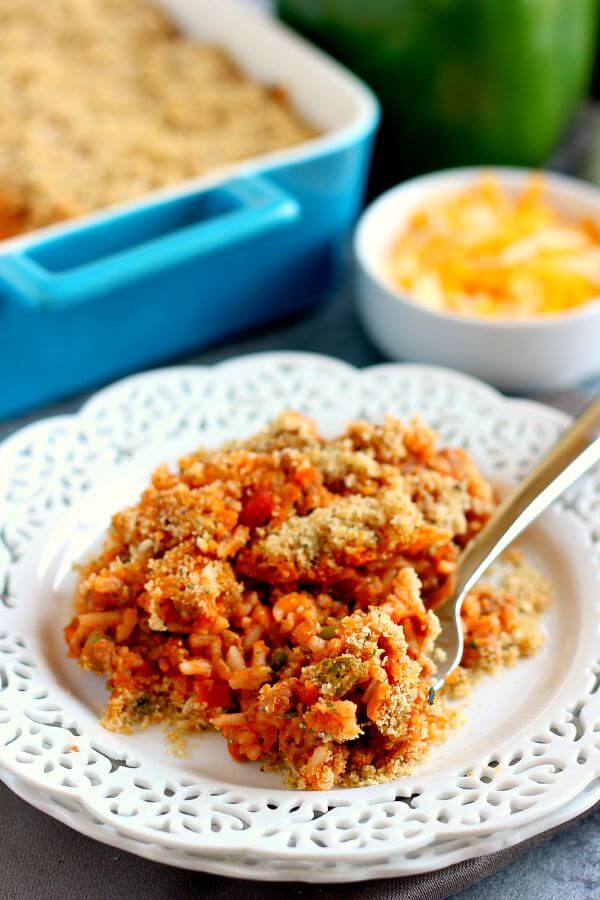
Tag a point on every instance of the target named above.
point(103, 295)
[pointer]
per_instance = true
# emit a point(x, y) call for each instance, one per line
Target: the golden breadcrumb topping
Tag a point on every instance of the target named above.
point(102, 101)
point(282, 590)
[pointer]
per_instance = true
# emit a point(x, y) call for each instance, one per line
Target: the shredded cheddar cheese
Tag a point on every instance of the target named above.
point(484, 251)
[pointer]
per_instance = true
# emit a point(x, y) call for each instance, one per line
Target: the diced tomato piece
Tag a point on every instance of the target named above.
point(145, 668)
point(214, 693)
point(308, 693)
point(258, 509)
point(236, 752)
point(306, 477)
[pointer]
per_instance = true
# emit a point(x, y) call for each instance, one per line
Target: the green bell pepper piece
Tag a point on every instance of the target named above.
point(462, 81)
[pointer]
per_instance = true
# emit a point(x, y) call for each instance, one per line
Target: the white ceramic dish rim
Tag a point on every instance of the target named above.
point(318, 385)
point(232, 18)
point(430, 858)
point(449, 179)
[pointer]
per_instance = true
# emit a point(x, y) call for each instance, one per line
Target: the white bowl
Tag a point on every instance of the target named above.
point(530, 355)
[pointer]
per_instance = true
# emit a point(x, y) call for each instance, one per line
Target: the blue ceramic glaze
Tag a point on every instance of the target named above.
point(94, 300)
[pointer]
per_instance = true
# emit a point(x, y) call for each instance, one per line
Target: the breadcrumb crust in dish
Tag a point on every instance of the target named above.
point(282, 589)
point(103, 101)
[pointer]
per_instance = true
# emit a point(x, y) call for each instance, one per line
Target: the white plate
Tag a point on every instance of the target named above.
point(533, 736)
point(436, 855)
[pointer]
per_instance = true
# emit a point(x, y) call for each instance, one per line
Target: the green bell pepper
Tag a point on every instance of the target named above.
point(462, 81)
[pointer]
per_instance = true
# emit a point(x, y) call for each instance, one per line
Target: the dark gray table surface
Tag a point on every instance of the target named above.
point(38, 848)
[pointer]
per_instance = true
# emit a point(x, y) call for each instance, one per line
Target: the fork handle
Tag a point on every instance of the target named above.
point(574, 453)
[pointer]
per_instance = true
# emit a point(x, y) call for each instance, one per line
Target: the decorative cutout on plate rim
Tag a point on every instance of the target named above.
point(50, 465)
point(436, 855)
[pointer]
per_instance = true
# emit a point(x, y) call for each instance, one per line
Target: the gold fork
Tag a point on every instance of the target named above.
point(574, 453)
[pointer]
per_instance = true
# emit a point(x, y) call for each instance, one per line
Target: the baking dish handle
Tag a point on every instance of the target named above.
point(75, 266)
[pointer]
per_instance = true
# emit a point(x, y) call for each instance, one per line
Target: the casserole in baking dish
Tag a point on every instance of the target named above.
point(139, 282)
